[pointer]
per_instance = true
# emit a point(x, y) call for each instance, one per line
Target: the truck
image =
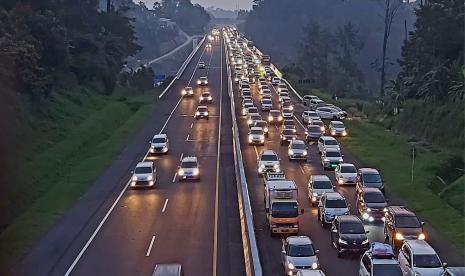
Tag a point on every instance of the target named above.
point(281, 206)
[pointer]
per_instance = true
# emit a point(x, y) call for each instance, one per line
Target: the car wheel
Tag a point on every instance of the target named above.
point(339, 253)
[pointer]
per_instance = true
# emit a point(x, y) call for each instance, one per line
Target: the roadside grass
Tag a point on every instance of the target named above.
point(377, 147)
point(454, 194)
point(76, 144)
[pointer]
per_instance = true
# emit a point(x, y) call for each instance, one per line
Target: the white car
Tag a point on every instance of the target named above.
point(330, 158)
point(308, 116)
point(201, 65)
point(206, 97)
point(281, 86)
point(417, 257)
point(144, 175)
point(187, 91)
point(346, 173)
point(299, 253)
point(266, 104)
point(189, 168)
point(246, 107)
point(379, 259)
point(317, 186)
point(297, 150)
point(159, 144)
point(252, 110)
point(306, 100)
point(310, 272)
point(245, 93)
point(329, 113)
point(337, 128)
point(287, 113)
point(326, 142)
point(275, 81)
point(201, 112)
point(284, 99)
point(256, 136)
point(202, 81)
point(252, 118)
point(268, 161)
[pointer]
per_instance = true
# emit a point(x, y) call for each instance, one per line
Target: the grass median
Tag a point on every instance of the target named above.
point(89, 133)
point(377, 147)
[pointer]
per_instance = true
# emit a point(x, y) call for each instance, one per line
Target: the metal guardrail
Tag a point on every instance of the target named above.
point(275, 70)
point(183, 67)
point(251, 255)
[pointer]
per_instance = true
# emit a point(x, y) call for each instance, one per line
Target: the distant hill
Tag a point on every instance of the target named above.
point(221, 13)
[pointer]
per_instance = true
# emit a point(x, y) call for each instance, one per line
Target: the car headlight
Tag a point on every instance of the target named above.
point(365, 215)
point(315, 265)
point(315, 194)
point(341, 241)
point(368, 209)
point(195, 171)
point(262, 166)
point(385, 210)
point(262, 137)
point(322, 128)
point(421, 236)
point(399, 236)
point(280, 118)
point(206, 82)
point(290, 152)
point(341, 160)
point(150, 177)
point(270, 118)
point(333, 132)
point(197, 113)
point(134, 178)
point(265, 129)
point(183, 92)
point(198, 82)
point(365, 241)
point(181, 172)
point(344, 133)
point(276, 166)
point(326, 160)
point(201, 98)
point(291, 108)
point(305, 152)
point(209, 98)
point(290, 266)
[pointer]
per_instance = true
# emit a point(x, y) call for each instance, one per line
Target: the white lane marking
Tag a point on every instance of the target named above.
point(192, 124)
point(197, 140)
point(174, 177)
point(83, 250)
point(180, 158)
point(150, 246)
point(256, 151)
point(302, 169)
point(187, 139)
point(298, 121)
point(164, 206)
point(196, 67)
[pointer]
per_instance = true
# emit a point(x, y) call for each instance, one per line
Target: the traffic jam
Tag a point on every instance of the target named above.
point(297, 160)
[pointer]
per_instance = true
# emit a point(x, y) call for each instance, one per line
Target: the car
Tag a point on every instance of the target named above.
point(244, 85)
point(287, 135)
point(369, 177)
point(329, 113)
point(275, 81)
point(262, 87)
point(256, 136)
point(159, 144)
point(144, 175)
point(187, 92)
point(309, 115)
point(313, 133)
point(315, 103)
point(275, 117)
point(310, 272)
point(262, 124)
point(252, 110)
point(380, 260)
point(330, 158)
point(245, 93)
point(202, 81)
point(417, 257)
point(298, 252)
point(201, 65)
point(287, 113)
point(189, 168)
point(237, 77)
point(209, 45)
point(246, 107)
point(326, 142)
point(283, 99)
point(253, 117)
point(167, 270)
point(281, 86)
point(306, 100)
point(297, 150)
point(201, 112)
point(317, 186)
point(206, 97)
point(283, 93)
point(337, 128)
point(402, 224)
point(454, 271)
point(345, 173)
point(330, 206)
point(266, 94)
point(268, 161)
point(371, 204)
point(320, 124)
point(266, 104)
point(247, 101)
point(287, 106)
point(289, 124)
point(348, 235)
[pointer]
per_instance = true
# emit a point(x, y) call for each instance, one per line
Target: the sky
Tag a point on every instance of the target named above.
point(224, 4)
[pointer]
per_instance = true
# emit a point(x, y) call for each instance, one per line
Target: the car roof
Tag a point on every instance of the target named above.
point(400, 211)
point(328, 138)
point(202, 106)
point(420, 247)
point(188, 87)
point(145, 164)
point(298, 142)
point(334, 195)
point(332, 150)
point(299, 240)
point(167, 270)
point(189, 159)
point(160, 135)
point(204, 77)
point(319, 177)
point(336, 122)
point(256, 128)
point(347, 165)
point(368, 170)
point(369, 190)
point(206, 92)
point(268, 152)
point(349, 218)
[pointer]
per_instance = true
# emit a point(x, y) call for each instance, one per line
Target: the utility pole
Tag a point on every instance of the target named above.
point(413, 162)
point(108, 6)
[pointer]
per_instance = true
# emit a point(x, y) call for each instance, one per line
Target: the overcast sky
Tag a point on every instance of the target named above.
point(224, 4)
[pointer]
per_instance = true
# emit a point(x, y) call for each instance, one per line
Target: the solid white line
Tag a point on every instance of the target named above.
point(298, 121)
point(150, 246)
point(192, 124)
point(196, 67)
point(164, 206)
point(171, 114)
point(187, 139)
point(180, 158)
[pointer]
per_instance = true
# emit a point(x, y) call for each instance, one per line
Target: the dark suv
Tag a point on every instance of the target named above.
point(368, 177)
point(371, 204)
point(402, 224)
point(348, 235)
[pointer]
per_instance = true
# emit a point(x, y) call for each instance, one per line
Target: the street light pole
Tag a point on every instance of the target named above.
point(108, 6)
point(413, 161)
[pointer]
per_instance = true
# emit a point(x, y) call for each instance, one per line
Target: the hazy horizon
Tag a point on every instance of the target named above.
point(223, 4)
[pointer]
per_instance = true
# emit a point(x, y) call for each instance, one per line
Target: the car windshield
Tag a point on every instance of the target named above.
point(322, 184)
point(205, 94)
point(352, 228)
point(189, 164)
point(299, 146)
point(266, 101)
point(288, 132)
point(314, 129)
point(256, 131)
point(158, 140)
point(288, 123)
point(331, 142)
point(275, 113)
point(269, 157)
point(253, 110)
point(371, 177)
point(333, 154)
point(202, 109)
point(312, 114)
point(407, 222)
point(387, 270)
point(300, 250)
point(426, 261)
point(284, 210)
point(319, 123)
point(336, 203)
point(374, 197)
point(348, 169)
point(256, 117)
point(338, 125)
point(143, 170)
point(260, 124)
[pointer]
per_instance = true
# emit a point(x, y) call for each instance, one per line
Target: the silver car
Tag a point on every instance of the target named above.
point(297, 150)
point(330, 206)
point(337, 128)
point(256, 136)
point(330, 158)
point(317, 186)
point(298, 253)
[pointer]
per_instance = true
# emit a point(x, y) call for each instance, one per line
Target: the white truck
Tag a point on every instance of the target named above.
point(281, 206)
